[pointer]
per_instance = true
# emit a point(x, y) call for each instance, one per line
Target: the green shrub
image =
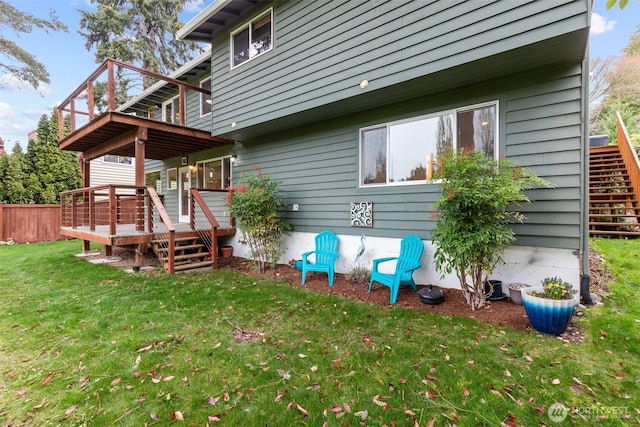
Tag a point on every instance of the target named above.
point(480, 197)
point(256, 206)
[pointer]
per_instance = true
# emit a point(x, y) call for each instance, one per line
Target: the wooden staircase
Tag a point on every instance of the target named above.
point(190, 252)
point(613, 203)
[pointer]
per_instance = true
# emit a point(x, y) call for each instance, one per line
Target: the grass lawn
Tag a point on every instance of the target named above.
point(84, 344)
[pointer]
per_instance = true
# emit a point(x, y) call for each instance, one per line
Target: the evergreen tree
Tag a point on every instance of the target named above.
point(51, 170)
point(21, 63)
point(137, 31)
point(14, 188)
point(4, 166)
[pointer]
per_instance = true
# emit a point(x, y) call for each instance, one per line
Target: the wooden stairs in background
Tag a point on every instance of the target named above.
point(613, 203)
point(191, 253)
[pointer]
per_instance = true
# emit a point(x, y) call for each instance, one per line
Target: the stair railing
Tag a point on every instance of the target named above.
point(160, 224)
point(629, 156)
point(203, 221)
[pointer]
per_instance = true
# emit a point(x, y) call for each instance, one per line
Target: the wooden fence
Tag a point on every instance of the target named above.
point(30, 223)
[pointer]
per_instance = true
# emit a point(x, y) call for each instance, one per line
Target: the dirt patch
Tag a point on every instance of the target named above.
point(500, 313)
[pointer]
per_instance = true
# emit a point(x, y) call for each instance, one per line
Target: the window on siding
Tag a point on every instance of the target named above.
point(121, 160)
point(214, 174)
point(253, 39)
point(205, 100)
point(407, 152)
point(172, 179)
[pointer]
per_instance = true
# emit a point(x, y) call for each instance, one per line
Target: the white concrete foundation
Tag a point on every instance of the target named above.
point(522, 264)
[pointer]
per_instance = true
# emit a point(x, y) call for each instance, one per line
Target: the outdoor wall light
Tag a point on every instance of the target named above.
point(364, 84)
point(234, 159)
point(233, 124)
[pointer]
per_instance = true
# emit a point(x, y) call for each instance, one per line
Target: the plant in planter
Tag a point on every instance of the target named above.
point(479, 201)
point(549, 307)
point(256, 207)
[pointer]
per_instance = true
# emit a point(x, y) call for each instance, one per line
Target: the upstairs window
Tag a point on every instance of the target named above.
point(171, 111)
point(408, 151)
point(205, 100)
point(253, 39)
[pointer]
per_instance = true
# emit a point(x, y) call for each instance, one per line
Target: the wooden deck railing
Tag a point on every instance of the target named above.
point(84, 102)
point(629, 156)
point(122, 211)
point(112, 205)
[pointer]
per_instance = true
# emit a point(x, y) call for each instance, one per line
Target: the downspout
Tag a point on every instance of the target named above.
point(585, 274)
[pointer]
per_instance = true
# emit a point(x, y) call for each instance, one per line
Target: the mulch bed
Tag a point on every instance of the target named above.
point(501, 313)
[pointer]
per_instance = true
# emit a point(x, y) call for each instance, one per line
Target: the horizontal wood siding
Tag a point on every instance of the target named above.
point(323, 49)
point(540, 127)
point(104, 173)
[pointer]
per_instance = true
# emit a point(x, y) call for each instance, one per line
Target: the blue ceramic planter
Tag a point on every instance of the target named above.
point(549, 316)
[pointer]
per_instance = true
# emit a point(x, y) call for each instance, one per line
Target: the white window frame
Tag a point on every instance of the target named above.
point(129, 161)
point(454, 112)
point(174, 172)
point(222, 160)
point(205, 100)
point(247, 25)
point(175, 113)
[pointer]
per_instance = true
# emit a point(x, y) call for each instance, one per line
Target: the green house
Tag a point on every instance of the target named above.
point(349, 103)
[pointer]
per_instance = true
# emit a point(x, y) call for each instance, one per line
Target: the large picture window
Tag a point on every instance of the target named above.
point(214, 174)
point(407, 151)
point(253, 39)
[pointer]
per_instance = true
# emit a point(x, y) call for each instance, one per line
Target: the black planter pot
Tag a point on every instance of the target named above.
point(493, 290)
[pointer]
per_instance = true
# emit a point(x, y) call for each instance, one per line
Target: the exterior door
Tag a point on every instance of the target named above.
point(184, 184)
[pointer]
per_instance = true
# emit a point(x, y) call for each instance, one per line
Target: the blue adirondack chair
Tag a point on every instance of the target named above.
point(408, 261)
point(326, 254)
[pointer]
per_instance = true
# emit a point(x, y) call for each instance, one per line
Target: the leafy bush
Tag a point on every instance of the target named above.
point(256, 207)
point(479, 200)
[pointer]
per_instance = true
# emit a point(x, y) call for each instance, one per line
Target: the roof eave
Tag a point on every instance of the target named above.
point(190, 30)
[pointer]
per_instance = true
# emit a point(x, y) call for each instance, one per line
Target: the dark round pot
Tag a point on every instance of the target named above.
point(430, 296)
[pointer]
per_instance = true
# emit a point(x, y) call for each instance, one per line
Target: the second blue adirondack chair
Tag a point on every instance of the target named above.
point(326, 254)
point(411, 249)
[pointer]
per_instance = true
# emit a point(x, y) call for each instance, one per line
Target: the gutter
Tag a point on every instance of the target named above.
point(585, 274)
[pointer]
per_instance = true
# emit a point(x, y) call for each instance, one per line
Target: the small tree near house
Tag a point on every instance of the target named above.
point(480, 198)
point(256, 207)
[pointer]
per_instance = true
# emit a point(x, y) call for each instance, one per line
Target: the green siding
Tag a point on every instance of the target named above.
point(539, 128)
point(322, 49)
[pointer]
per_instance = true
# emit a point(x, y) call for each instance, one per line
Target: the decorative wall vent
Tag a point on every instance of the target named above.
point(362, 214)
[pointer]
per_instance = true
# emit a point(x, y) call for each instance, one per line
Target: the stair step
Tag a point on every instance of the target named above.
point(177, 240)
point(592, 215)
point(606, 165)
point(181, 247)
point(617, 195)
point(614, 232)
point(186, 256)
point(613, 224)
point(193, 265)
point(608, 208)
